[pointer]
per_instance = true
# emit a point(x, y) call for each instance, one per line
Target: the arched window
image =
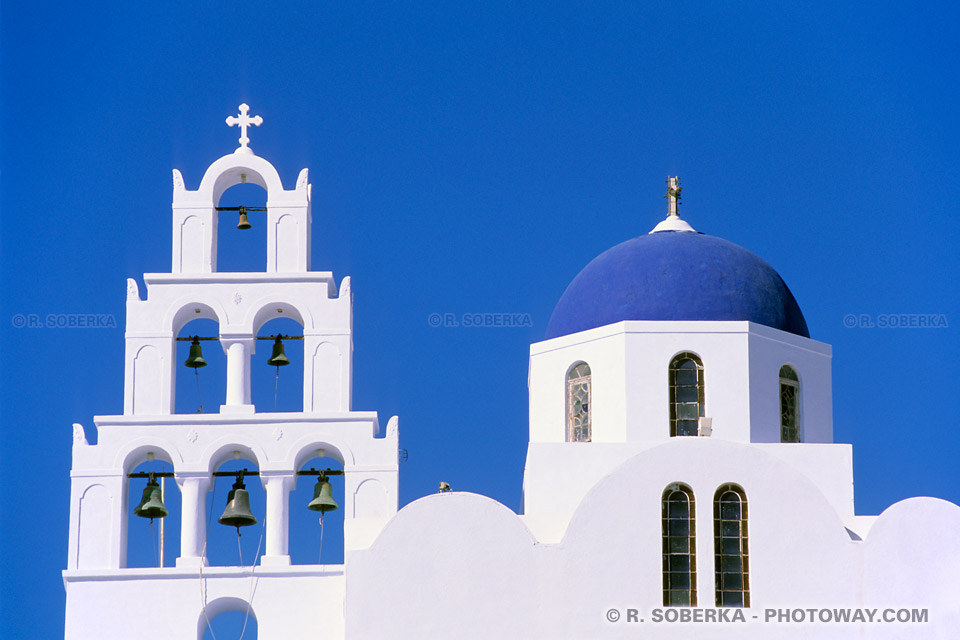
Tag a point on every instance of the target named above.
point(730, 547)
point(686, 394)
point(789, 405)
point(578, 403)
point(679, 547)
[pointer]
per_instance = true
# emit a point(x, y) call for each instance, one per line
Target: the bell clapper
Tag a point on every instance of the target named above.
point(195, 361)
point(278, 359)
point(163, 485)
point(320, 551)
point(199, 396)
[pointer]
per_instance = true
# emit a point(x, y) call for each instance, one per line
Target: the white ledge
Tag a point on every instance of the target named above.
point(234, 277)
point(191, 573)
point(235, 418)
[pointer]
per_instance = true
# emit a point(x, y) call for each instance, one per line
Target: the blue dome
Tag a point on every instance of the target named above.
point(676, 275)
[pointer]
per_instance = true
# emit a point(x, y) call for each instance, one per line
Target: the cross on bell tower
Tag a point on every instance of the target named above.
point(244, 121)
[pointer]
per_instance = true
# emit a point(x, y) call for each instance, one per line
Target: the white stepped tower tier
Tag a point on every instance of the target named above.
point(105, 599)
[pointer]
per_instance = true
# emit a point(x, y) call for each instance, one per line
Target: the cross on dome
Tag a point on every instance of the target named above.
point(244, 121)
point(673, 196)
point(673, 222)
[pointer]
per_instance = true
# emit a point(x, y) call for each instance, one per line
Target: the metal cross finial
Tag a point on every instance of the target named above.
point(673, 196)
point(244, 121)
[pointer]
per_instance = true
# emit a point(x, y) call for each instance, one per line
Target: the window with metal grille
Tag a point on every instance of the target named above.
point(679, 547)
point(578, 403)
point(686, 394)
point(730, 547)
point(789, 405)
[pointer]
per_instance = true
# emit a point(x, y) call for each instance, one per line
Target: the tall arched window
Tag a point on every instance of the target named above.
point(789, 405)
point(730, 547)
point(578, 403)
point(679, 547)
point(686, 394)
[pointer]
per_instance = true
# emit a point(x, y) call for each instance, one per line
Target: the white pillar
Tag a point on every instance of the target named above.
point(193, 522)
point(278, 486)
point(238, 350)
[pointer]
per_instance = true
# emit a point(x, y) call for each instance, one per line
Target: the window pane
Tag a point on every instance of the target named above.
point(687, 428)
point(678, 562)
point(732, 599)
point(688, 411)
point(688, 394)
point(677, 509)
point(679, 528)
point(730, 508)
point(730, 546)
point(730, 529)
point(730, 564)
point(686, 378)
point(679, 545)
point(732, 581)
point(679, 580)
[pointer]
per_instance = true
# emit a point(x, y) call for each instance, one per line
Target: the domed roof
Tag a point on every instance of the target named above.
point(676, 275)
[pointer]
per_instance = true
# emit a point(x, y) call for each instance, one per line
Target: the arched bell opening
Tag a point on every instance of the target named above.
point(276, 373)
point(313, 542)
point(153, 508)
point(227, 618)
point(242, 233)
point(200, 368)
point(236, 508)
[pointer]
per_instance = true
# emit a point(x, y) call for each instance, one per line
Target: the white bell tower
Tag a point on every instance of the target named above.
point(105, 599)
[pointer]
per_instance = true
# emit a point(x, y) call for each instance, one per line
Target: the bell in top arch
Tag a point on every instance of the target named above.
point(323, 497)
point(237, 512)
point(195, 359)
point(279, 357)
point(151, 505)
point(244, 222)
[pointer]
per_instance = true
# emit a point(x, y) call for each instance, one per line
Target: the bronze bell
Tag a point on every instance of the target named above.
point(151, 505)
point(323, 497)
point(195, 359)
point(244, 222)
point(237, 512)
point(279, 357)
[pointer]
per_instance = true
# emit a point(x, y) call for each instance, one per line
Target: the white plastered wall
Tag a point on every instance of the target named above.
point(480, 573)
point(629, 402)
point(629, 364)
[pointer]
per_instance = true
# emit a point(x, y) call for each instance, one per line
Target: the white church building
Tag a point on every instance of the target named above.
point(681, 477)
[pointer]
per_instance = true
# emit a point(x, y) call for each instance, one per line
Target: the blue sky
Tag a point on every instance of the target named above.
point(471, 158)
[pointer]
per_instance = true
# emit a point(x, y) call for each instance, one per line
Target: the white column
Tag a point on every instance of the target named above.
point(238, 350)
point(278, 486)
point(193, 522)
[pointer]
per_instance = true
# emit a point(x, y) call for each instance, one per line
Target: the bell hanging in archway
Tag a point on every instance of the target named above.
point(151, 505)
point(279, 357)
point(244, 222)
point(195, 359)
point(237, 512)
point(323, 497)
